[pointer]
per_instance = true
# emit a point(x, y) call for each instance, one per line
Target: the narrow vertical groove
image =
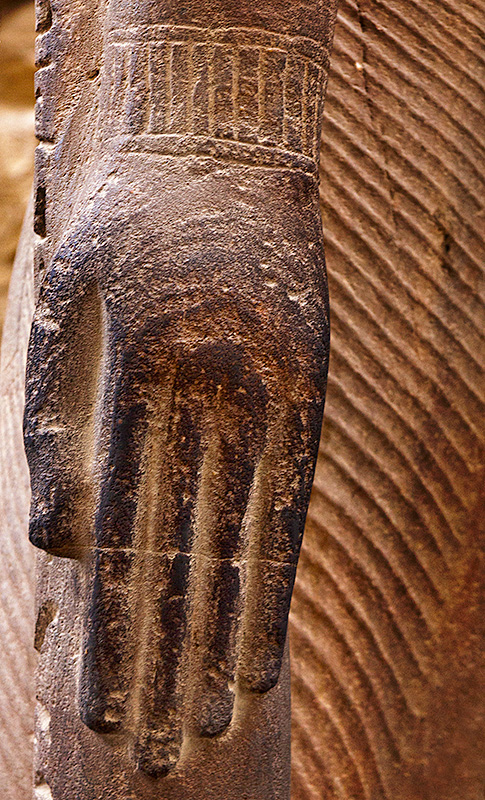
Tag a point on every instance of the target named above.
point(211, 89)
point(190, 88)
point(260, 88)
point(304, 110)
point(235, 91)
point(168, 86)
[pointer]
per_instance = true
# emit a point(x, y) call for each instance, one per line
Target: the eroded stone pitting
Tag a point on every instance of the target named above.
point(45, 616)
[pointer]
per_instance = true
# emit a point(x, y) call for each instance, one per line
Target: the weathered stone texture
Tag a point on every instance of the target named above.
point(17, 576)
point(175, 387)
point(387, 624)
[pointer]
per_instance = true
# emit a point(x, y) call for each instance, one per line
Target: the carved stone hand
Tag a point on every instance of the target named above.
point(175, 388)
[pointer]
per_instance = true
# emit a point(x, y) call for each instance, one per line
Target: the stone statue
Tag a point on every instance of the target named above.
point(178, 358)
point(387, 613)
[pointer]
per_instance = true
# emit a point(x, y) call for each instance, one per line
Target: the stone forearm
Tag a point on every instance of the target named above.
point(313, 19)
point(186, 309)
point(228, 82)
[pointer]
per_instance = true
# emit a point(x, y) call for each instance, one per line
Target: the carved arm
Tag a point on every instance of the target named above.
point(177, 363)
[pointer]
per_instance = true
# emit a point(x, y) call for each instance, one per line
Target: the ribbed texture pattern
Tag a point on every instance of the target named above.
point(247, 86)
point(17, 574)
point(383, 625)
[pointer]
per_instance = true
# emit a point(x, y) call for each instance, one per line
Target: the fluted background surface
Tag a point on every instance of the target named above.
point(387, 616)
point(17, 573)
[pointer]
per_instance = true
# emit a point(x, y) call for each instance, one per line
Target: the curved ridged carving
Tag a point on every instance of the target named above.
point(385, 624)
point(17, 577)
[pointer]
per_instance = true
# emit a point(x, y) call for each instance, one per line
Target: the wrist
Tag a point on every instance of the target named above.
point(240, 95)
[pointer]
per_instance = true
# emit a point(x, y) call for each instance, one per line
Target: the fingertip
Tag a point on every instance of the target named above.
point(47, 532)
point(99, 717)
point(263, 680)
point(215, 714)
point(39, 531)
point(51, 521)
point(156, 755)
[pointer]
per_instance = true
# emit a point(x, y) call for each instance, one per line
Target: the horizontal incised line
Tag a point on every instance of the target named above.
point(235, 152)
point(246, 37)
